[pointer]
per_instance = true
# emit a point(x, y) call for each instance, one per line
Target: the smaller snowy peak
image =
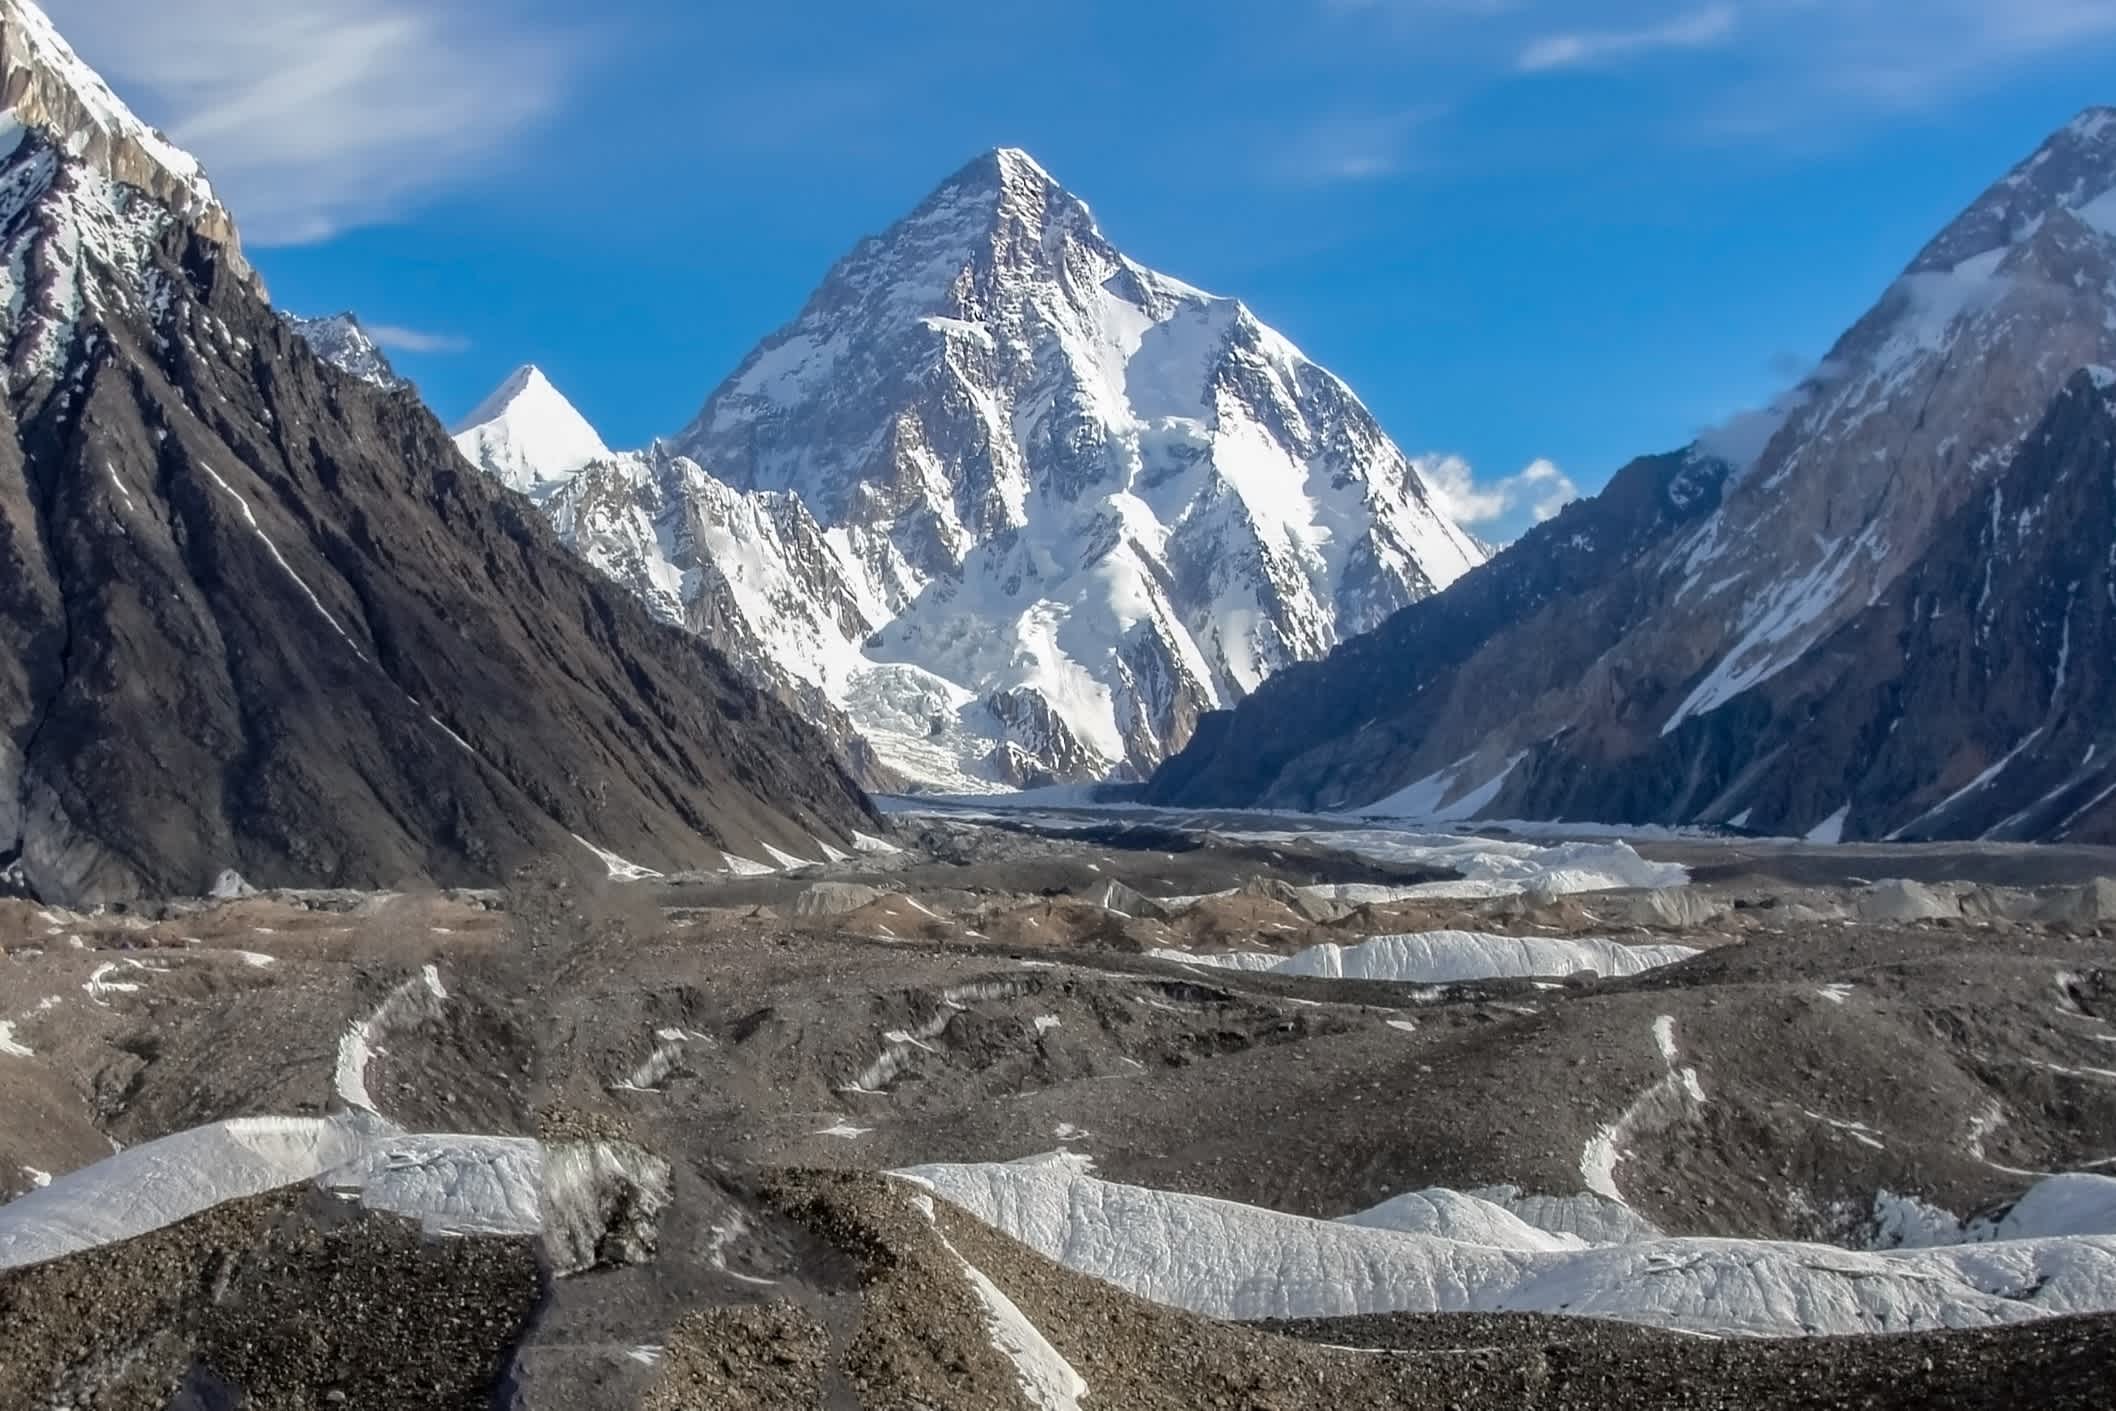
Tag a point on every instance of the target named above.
point(340, 341)
point(45, 86)
point(526, 434)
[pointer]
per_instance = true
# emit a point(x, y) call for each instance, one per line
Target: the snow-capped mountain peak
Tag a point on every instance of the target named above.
point(48, 88)
point(1001, 501)
point(1088, 501)
point(526, 434)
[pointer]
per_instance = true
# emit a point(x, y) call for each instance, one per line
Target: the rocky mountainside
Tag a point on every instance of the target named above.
point(261, 616)
point(527, 436)
point(1789, 661)
point(45, 86)
point(1019, 507)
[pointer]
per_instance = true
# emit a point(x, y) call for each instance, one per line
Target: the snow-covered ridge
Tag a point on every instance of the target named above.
point(340, 341)
point(1447, 1252)
point(453, 1184)
point(48, 87)
point(1450, 957)
point(526, 434)
point(1018, 506)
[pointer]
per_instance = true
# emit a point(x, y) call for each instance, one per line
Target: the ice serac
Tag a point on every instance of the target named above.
point(1745, 647)
point(259, 615)
point(1064, 505)
point(527, 435)
point(340, 341)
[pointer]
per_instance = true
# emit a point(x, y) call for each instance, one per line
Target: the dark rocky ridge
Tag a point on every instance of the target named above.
point(1314, 734)
point(1905, 589)
point(1991, 654)
point(262, 615)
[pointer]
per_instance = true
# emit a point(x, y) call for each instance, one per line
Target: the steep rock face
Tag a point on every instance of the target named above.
point(1318, 736)
point(1971, 698)
point(45, 86)
point(1657, 696)
point(1076, 503)
point(262, 616)
point(527, 436)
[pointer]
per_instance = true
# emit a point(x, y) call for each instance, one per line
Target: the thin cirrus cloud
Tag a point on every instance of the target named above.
point(1819, 60)
point(396, 338)
point(315, 115)
point(1342, 148)
point(1704, 28)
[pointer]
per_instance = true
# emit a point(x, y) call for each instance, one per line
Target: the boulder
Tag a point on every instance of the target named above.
point(835, 899)
point(1904, 902)
point(2091, 905)
point(1129, 902)
point(1674, 908)
point(230, 886)
point(1307, 905)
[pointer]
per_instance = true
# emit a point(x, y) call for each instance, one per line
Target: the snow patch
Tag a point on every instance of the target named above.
point(250, 518)
point(619, 869)
point(413, 1002)
point(1666, 1102)
point(1450, 957)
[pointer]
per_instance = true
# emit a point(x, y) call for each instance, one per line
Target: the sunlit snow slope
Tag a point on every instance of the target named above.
point(1020, 507)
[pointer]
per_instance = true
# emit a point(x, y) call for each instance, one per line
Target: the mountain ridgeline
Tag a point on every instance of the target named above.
point(1889, 616)
point(261, 615)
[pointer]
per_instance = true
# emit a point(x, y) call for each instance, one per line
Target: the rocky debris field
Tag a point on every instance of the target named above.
point(1182, 1112)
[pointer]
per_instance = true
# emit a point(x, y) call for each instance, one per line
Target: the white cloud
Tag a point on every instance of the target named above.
point(1703, 28)
point(315, 115)
point(1504, 508)
point(1804, 63)
point(1871, 54)
point(399, 339)
point(1349, 147)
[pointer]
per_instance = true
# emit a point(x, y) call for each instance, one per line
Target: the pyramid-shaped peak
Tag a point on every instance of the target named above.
point(1001, 168)
point(1001, 182)
point(527, 434)
point(528, 380)
point(1018, 167)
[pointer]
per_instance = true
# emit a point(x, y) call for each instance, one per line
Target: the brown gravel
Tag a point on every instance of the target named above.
point(763, 1357)
point(296, 1298)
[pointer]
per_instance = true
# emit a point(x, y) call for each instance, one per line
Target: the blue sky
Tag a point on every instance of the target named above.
point(1523, 230)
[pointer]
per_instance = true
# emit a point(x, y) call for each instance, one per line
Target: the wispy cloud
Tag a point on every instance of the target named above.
point(1503, 508)
point(315, 115)
point(1871, 54)
point(1351, 147)
point(1704, 28)
point(1790, 68)
point(399, 339)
